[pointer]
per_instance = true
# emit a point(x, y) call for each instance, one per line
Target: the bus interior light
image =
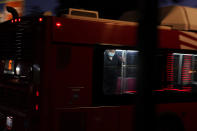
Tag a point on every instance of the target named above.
point(182, 54)
point(18, 70)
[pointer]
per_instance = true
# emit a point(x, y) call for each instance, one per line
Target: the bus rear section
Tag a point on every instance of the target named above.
point(20, 61)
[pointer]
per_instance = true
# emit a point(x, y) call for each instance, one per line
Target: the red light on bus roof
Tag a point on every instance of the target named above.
point(19, 19)
point(15, 20)
point(40, 19)
point(12, 21)
point(58, 24)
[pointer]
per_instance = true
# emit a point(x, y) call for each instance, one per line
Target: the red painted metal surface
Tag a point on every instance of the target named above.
point(186, 111)
point(66, 61)
point(92, 32)
point(71, 87)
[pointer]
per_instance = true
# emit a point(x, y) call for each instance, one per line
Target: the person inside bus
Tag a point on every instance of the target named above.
point(112, 69)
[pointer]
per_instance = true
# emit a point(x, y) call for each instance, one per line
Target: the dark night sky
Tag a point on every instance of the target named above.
point(191, 3)
point(116, 6)
point(51, 4)
point(47, 5)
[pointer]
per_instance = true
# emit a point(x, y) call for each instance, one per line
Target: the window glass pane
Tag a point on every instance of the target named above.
point(176, 72)
point(176, 68)
point(181, 72)
point(112, 70)
point(194, 71)
point(186, 71)
point(119, 74)
point(129, 72)
point(14, 71)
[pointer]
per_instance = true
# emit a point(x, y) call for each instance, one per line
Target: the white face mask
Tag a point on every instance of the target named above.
point(111, 54)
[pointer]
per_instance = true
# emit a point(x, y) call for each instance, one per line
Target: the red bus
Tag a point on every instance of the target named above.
point(79, 73)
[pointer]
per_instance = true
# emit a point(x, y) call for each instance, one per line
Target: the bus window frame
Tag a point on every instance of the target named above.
point(100, 99)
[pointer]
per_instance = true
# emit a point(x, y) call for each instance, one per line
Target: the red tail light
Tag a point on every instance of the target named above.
point(58, 24)
point(40, 19)
point(36, 107)
point(37, 93)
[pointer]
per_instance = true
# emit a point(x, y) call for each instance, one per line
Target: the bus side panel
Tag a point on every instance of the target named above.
point(185, 111)
point(173, 39)
point(95, 118)
point(91, 32)
point(126, 118)
point(71, 79)
point(103, 119)
point(168, 39)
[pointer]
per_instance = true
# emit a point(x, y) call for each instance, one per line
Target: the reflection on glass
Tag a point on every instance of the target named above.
point(119, 71)
point(18, 70)
point(9, 67)
point(182, 72)
point(15, 71)
point(9, 122)
point(194, 71)
point(176, 72)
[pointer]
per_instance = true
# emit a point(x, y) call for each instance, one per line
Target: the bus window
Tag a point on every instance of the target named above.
point(177, 71)
point(15, 71)
point(9, 67)
point(119, 74)
point(181, 71)
point(176, 68)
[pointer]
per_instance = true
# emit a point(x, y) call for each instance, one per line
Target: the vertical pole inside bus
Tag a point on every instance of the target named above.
point(147, 45)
